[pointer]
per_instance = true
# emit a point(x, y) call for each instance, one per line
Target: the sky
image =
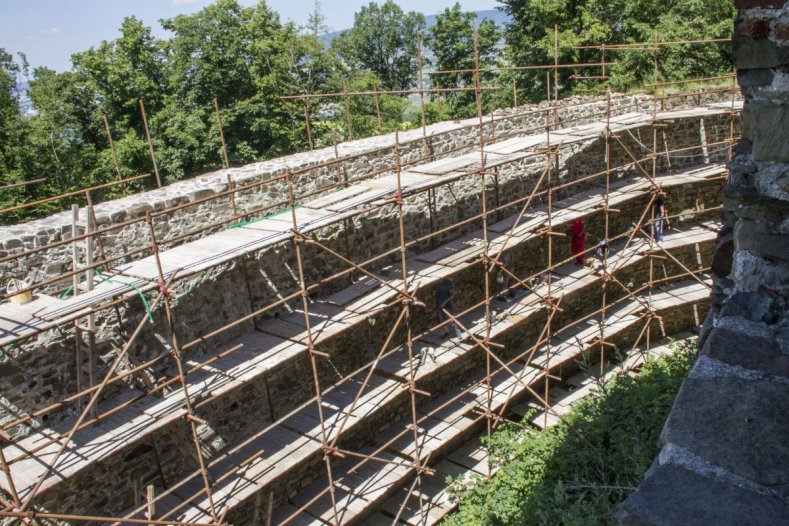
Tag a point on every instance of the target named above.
point(50, 31)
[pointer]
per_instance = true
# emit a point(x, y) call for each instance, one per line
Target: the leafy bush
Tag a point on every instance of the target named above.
point(580, 470)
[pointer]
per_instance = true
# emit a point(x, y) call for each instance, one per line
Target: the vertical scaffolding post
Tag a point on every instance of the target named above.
point(548, 85)
point(221, 133)
point(604, 279)
point(307, 124)
point(549, 331)
point(176, 353)
point(556, 61)
point(79, 359)
point(150, 498)
point(485, 244)
point(89, 284)
point(409, 336)
point(378, 109)
point(112, 148)
point(422, 95)
point(346, 103)
point(150, 144)
point(311, 349)
point(514, 92)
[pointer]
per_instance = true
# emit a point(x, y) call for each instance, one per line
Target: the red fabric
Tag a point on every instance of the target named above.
point(578, 240)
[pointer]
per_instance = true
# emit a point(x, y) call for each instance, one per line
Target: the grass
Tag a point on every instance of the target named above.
point(577, 472)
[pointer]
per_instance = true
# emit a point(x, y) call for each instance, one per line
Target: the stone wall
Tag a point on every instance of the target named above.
point(725, 456)
point(357, 159)
point(42, 370)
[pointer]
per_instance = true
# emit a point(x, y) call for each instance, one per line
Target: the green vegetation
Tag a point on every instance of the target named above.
point(247, 58)
point(580, 470)
point(530, 40)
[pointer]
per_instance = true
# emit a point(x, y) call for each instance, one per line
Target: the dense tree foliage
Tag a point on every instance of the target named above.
point(451, 39)
point(383, 41)
point(246, 59)
point(530, 39)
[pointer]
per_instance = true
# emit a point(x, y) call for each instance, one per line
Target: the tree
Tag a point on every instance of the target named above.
point(124, 70)
point(9, 127)
point(383, 41)
point(451, 41)
point(530, 38)
point(316, 21)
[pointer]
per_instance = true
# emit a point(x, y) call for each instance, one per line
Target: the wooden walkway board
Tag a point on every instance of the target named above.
point(361, 287)
point(222, 246)
point(273, 453)
point(428, 507)
point(445, 166)
point(335, 197)
point(517, 144)
point(409, 181)
point(17, 320)
point(163, 411)
point(454, 252)
point(359, 200)
point(357, 492)
point(102, 292)
point(532, 219)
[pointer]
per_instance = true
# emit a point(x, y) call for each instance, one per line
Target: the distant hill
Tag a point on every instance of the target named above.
point(492, 14)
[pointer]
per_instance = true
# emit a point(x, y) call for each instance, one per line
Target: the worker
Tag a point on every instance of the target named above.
point(601, 254)
point(578, 241)
point(504, 276)
point(659, 216)
point(445, 294)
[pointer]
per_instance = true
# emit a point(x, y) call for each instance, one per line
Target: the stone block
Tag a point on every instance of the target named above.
point(781, 32)
point(671, 495)
point(751, 53)
point(754, 77)
point(764, 123)
point(761, 239)
point(751, 28)
point(741, 350)
point(724, 252)
point(734, 423)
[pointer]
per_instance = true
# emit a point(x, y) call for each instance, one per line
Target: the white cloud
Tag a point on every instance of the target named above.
point(50, 31)
point(185, 2)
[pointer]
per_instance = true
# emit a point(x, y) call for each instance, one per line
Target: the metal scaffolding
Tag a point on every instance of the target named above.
point(528, 368)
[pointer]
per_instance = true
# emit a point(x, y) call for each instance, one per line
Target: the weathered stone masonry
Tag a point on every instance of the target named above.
point(42, 370)
point(39, 373)
point(725, 456)
point(356, 159)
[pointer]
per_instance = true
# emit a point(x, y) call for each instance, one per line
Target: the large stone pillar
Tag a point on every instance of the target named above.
point(725, 456)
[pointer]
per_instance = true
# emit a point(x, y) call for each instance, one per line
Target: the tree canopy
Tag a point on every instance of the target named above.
point(383, 41)
point(246, 58)
point(530, 39)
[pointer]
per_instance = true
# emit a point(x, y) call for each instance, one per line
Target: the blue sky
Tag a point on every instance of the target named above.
point(49, 31)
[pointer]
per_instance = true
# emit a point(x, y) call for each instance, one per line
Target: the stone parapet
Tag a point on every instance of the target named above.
point(203, 209)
